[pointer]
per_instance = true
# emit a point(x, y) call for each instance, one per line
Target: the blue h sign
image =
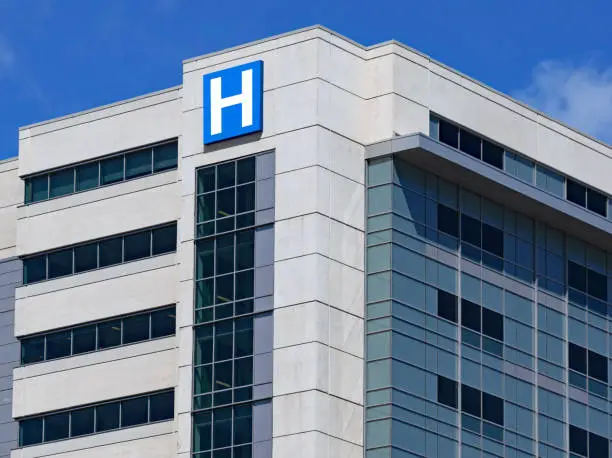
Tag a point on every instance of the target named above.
point(233, 102)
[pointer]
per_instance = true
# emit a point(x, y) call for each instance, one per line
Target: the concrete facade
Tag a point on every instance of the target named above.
point(325, 100)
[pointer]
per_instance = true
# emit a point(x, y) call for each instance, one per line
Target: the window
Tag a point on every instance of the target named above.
point(447, 306)
point(448, 220)
point(492, 324)
point(596, 202)
point(471, 400)
point(493, 240)
point(492, 408)
point(110, 170)
point(122, 413)
point(100, 254)
point(493, 154)
point(576, 193)
point(470, 144)
point(470, 315)
point(447, 392)
point(587, 444)
point(588, 370)
point(471, 230)
point(92, 337)
point(224, 428)
point(587, 280)
point(449, 133)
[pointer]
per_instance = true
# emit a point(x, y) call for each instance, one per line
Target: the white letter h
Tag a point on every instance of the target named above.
point(217, 103)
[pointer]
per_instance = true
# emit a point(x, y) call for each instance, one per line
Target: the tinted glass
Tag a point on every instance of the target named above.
point(57, 426)
point(576, 193)
point(107, 416)
point(598, 446)
point(135, 328)
point(493, 154)
point(162, 406)
point(165, 157)
point(109, 334)
point(596, 202)
point(576, 276)
point(138, 164)
point(202, 431)
point(447, 305)
point(206, 207)
point(222, 427)
point(597, 284)
point(243, 371)
point(58, 344)
point(470, 230)
point(203, 345)
point(226, 175)
point(30, 431)
point(448, 220)
point(60, 263)
point(492, 408)
point(34, 269)
point(449, 134)
point(447, 391)
point(244, 337)
point(245, 198)
point(61, 183)
point(206, 180)
point(224, 254)
point(493, 240)
point(85, 257)
point(32, 350)
point(469, 143)
point(243, 424)
point(245, 284)
point(111, 170)
point(470, 315)
point(137, 246)
point(246, 170)
point(598, 366)
point(577, 358)
point(37, 188)
point(163, 323)
point(470, 400)
point(224, 334)
point(164, 240)
point(226, 202)
point(578, 440)
point(82, 422)
point(87, 176)
point(492, 324)
point(134, 412)
point(245, 250)
point(110, 252)
point(84, 339)
point(205, 258)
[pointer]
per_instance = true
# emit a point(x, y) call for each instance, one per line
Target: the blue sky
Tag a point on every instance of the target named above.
point(62, 56)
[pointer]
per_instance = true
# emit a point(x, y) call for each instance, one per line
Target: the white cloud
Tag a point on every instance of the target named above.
point(580, 96)
point(7, 58)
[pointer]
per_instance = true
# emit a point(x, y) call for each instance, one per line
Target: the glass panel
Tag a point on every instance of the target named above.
point(206, 207)
point(135, 328)
point(246, 170)
point(30, 431)
point(58, 344)
point(164, 240)
point(226, 202)
point(245, 284)
point(578, 440)
point(226, 175)
point(34, 269)
point(448, 220)
point(110, 252)
point(222, 427)
point(32, 350)
point(245, 198)
point(138, 164)
point(109, 334)
point(82, 422)
point(87, 176)
point(57, 426)
point(470, 315)
point(447, 392)
point(225, 254)
point(492, 154)
point(243, 424)
point(470, 143)
point(165, 157)
point(134, 412)
point(84, 339)
point(38, 188)
point(203, 344)
point(206, 180)
point(243, 371)
point(85, 257)
point(202, 431)
point(470, 400)
point(492, 408)
point(60, 263)
point(163, 323)
point(449, 134)
point(107, 417)
point(224, 334)
point(223, 375)
point(576, 193)
point(205, 261)
point(162, 406)
point(111, 170)
point(61, 183)
point(137, 246)
point(202, 379)
point(205, 293)
point(244, 337)
point(245, 250)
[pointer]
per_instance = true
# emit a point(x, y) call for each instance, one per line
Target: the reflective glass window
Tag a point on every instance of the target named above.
point(470, 400)
point(37, 188)
point(164, 240)
point(576, 193)
point(447, 305)
point(34, 269)
point(246, 170)
point(87, 176)
point(596, 202)
point(110, 251)
point(470, 315)
point(107, 417)
point(470, 144)
point(138, 164)
point(61, 183)
point(136, 246)
point(111, 170)
point(32, 350)
point(134, 411)
point(165, 157)
point(30, 431)
point(59, 344)
point(135, 328)
point(448, 220)
point(163, 323)
point(57, 426)
point(109, 334)
point(85, 257)
point(84, 339)
point(449, 133)
point(162, 406)
point(60, 263)
point(447, 392)
point(82, 422)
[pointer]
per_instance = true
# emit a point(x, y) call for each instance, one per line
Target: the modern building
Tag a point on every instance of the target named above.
point(310, 248)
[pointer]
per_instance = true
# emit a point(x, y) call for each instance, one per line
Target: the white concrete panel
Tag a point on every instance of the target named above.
point(95, 383)
point(317, 278)
point(152, 441)
point(409, 117)
point(411, 79)
point(340, 155)
point(282, 67)
point(183, 395)
point(98, 219)
point(11, 187)
point(313, 410)
point(346, 332)
point(476, 112)
point(379, 122)
point(316, 233)
point(88, 136)
point(8, 228)
point(301, 323)
point(99, 299)
point(301, 368)
point(314, 444)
